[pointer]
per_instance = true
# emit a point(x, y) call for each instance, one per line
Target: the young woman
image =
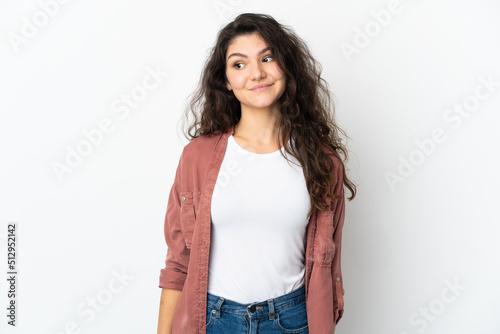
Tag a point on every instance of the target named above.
point(255, 215)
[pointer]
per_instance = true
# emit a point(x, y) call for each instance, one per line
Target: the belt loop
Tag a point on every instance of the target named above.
point(218, 307)
point(271, 309)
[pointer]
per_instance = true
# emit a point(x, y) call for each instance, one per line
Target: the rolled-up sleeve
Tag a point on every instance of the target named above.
point(338, 207)
point(173, 275)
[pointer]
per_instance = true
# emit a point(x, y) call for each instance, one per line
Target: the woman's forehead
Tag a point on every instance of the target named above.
point(253, 43)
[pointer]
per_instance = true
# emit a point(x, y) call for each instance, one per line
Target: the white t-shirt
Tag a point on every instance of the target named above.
point(259, 217)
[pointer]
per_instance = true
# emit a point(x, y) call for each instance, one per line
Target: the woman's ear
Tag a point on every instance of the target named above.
point(228, 86)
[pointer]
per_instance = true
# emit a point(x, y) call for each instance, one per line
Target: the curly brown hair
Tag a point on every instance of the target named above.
point(307, 110)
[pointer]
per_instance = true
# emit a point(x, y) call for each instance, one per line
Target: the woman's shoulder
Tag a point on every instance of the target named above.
point(332, 154)
point(200, 147)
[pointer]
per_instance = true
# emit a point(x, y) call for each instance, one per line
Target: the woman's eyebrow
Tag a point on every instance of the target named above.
point(244, 56)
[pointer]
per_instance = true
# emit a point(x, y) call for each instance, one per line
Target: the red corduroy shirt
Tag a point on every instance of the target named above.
point(187, 234)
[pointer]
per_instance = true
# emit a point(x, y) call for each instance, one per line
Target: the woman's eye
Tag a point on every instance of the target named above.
point(240, 65)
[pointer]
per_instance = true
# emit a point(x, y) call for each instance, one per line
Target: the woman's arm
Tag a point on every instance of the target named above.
point(173, 276)
point(338, 208)
point(168, 305)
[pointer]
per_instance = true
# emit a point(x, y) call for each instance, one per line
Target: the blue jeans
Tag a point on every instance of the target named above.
point(284, 314)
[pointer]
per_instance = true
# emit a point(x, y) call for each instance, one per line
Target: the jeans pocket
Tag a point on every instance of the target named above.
point(293, 319)
point(210, 317)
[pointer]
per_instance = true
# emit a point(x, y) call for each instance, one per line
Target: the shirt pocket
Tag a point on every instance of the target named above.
point(189, 203)
point(324, 246)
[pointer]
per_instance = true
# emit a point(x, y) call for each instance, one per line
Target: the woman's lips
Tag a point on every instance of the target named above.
point(260, 89)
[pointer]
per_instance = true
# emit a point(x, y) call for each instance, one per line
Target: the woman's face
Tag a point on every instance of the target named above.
point(249, 63)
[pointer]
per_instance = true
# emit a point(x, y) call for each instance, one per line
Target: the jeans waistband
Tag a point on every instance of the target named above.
point(269, 306)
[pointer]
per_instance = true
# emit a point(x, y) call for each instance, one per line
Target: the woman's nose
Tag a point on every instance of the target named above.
point(257, 71)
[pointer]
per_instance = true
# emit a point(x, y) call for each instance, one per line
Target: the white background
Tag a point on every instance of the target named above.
point(402, 244)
